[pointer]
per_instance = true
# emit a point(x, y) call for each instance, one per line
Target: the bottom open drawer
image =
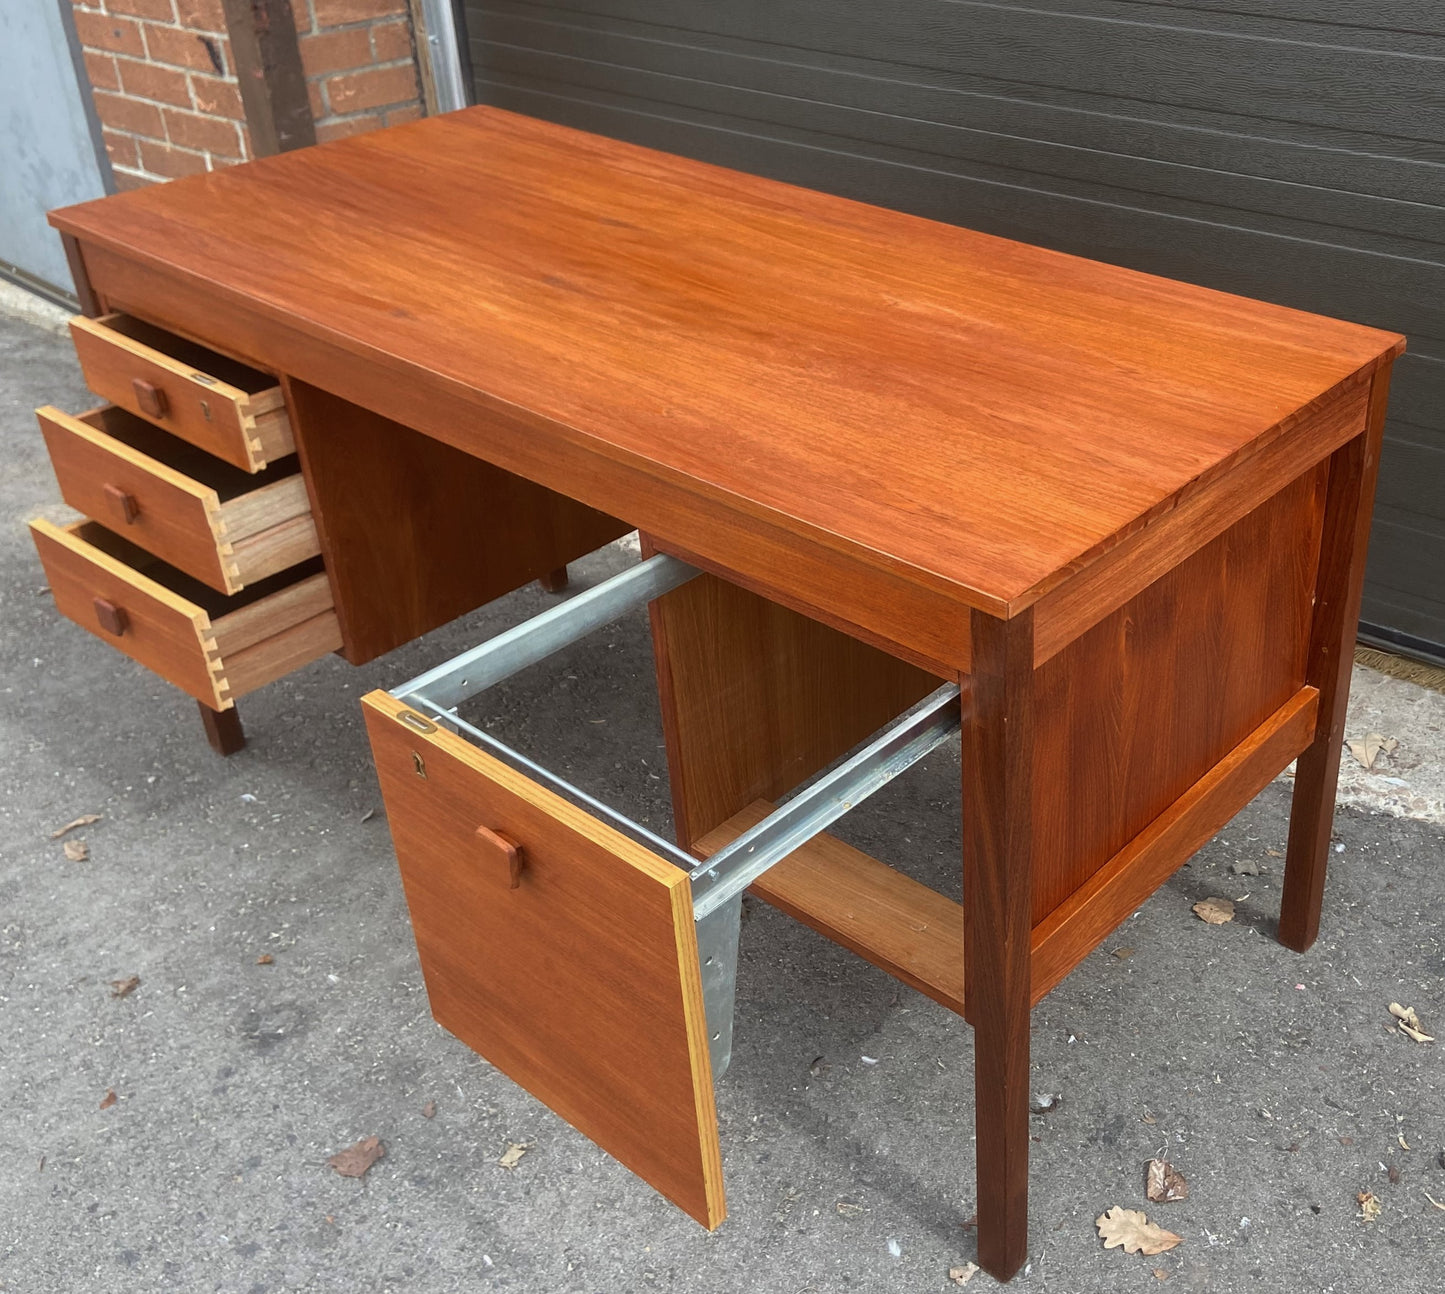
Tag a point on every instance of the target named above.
point(589, 959)
point(215, 647)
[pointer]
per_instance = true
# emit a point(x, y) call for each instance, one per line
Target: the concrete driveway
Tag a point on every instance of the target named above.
point(1275, 1083)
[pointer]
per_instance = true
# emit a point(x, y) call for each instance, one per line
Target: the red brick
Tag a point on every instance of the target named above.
point(335, 51)
point(163, 10)
point(203, 133)
point(162, 159)
point(120, 113)
point(120, 148)
point(333, 13)
point(100, 68)
point(178, 48)
point(127, 180)
point(217, 97)
point(349, 126)
point(147, 81)
point(400, 116)
point(207, 15)
point(357, 91)
point(119, 35)
point(318, 101)
point(391, 41)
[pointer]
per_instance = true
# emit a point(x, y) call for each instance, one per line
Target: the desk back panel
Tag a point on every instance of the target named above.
point(1138, 709)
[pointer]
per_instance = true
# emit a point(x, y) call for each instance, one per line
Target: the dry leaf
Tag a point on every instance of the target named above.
point(962, 1275)
point(1148, 1118)
point(84, 820)
point(265, 959)
point(77, 851)
point(512, 1155)
point(1164, 1183)
point(429, 1110)
point(1045, 1102)
point(1132, 1230)
point(1428, 1196)
point(1123, 954)
point(1275, 853)
point(1161, 1275)
point(108, 1099)
point(124, 987)
point(1369, 1206)
point(355, 1160)
point(1369, 750)
point(368, 815)
point(1400, 1137)
point(1408, 1022)
point(1215, 911)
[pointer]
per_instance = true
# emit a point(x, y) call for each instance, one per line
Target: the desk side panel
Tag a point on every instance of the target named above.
point(1138, 709)
point(416, 533)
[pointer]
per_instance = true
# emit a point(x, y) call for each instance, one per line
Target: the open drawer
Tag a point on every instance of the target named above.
point(226, 527)
point(586, 957)
point(216, 648)
point(228, 408)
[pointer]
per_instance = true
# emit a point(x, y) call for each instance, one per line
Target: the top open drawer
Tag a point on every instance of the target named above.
point(217, 403)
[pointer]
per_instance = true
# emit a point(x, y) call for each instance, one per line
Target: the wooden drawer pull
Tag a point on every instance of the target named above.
point(501, 854)
point(123, 504)
point(150, 398)
point(111, 618)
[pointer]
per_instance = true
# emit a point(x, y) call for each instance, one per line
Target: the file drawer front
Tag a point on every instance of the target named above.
point(559, 949)
point(222, 405)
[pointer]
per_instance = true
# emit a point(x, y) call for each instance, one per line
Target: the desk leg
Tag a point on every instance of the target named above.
point(223, 729)
point(997, 901)
point(1349, 503)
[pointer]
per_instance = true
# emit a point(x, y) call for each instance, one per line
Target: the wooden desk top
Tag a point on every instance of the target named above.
point(971, 414)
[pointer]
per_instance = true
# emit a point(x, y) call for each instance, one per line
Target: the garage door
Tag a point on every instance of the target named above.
point(1292, 150)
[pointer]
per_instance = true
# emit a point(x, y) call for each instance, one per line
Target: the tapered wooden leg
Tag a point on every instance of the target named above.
point(997, 901)
point(554, 581)
point(223, 729)
point(1349, 503)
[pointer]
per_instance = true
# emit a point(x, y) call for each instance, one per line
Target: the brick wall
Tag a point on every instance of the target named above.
point(165, 81)
point(360, 64)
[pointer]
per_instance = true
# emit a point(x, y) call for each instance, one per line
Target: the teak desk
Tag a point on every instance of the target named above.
point(1125, 516)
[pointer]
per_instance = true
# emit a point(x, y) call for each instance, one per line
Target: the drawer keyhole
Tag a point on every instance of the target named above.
point(112, 618)
point(123, 503)
point(150, 398)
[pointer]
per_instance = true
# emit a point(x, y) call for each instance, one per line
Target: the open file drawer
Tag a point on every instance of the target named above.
point(587, 958)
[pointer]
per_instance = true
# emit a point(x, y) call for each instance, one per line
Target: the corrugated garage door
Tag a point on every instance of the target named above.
point(1292, 150)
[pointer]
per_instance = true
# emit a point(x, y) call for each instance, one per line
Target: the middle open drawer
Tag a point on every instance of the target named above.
point(224, 526)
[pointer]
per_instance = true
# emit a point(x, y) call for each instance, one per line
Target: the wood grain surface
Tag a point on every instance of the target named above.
point(227, 408)
point(975, 417)
point(901, 926)
point(1135, 711)
point(415, 532)
point(582, 983)
point(756, 698)
point(217, 522)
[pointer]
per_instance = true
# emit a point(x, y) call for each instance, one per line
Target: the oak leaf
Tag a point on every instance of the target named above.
point(355, 1160)
point(1408, 1022)
point(84, 820)
point(1369, 749)
point(1164, 1183)
point(77, 851)
point(1134, 1232)
point(1215, 911)
point(512, 1155)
